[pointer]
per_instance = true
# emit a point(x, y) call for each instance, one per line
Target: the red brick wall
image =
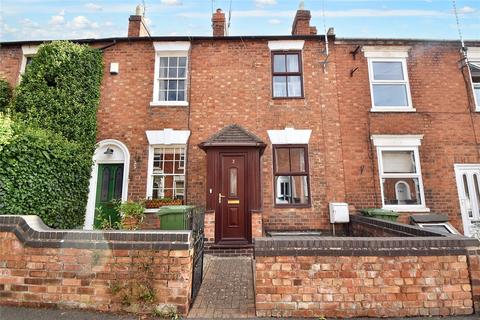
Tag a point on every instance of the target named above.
point(443, 117)
point(230, 82)
point(346, 286)
point(84, 278)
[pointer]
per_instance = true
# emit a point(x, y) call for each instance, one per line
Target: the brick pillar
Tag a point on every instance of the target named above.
point(218, 23)
point(474, 270)
point(301, 23)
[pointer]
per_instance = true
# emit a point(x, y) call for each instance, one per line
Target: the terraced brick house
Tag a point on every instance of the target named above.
point(267, 131)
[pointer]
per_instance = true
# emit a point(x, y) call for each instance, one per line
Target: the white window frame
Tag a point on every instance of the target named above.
point(400, 143)
point(151, 153)
point(28, 51)
point(170, 49)
point(473, 56)
point(405, 81)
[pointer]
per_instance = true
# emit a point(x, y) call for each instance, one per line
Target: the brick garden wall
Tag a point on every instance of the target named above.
point(420, 275)
point(93, 270)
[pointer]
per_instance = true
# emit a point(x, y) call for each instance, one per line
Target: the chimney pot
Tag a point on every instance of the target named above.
point(218, 23)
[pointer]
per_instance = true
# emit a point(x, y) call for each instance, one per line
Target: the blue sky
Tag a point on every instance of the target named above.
point(432, 19)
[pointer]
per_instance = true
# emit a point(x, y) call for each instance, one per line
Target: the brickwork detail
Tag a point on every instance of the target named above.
point(344, 286)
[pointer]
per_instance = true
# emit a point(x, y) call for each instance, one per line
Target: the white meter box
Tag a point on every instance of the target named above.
point(339, 212)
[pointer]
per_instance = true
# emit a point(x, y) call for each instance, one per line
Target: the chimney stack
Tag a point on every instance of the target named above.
point(218, 23)
point(301, 23)
point(137, 26)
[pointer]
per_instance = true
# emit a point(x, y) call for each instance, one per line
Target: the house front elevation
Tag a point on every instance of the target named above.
point(267, 131)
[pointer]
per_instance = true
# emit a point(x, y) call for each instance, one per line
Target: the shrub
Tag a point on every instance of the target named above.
point(5, 94)
point(43, 173)
point(60, 90)
point(47, 171)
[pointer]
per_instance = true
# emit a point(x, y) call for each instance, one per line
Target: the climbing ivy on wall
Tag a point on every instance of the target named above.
point(45, 163)
point(5, 94)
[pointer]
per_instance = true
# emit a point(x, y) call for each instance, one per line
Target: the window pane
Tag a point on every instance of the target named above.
point(105, 184)
point(162, 96)
point(173, 62)
point(172, 72)
point(398, 162)
point(291, 190)
point(172, 96)
point(297, 159)
point(282, 160)
point(292, 63)
point(181, 84)
point(388, 95)
point(233, 182)
point(163, 62)
point(294, 86)
point(477, 191)
point(279, 86)
point(467, 202)
point(172, 84)
point(118, 183)
point(181, 95)
point(401, 191)
point(182, 61)
point(387, 71)
point(279, 63)
point(163, 72)
point(477, 93)
point(163, 84)
point(181, 72)
point(158, 187)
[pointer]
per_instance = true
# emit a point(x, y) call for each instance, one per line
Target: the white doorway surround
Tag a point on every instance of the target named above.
point(117, 154)
point(468, 186)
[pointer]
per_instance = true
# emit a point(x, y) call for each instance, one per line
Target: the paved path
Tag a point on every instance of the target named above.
point(226, 291)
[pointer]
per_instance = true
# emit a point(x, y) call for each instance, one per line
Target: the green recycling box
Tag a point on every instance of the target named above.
point(174, 217)
point(380, 214)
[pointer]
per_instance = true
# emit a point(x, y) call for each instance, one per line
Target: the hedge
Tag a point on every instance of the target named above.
point(60, 90)
point(43, 173)
point(5, 94)
point(46, 156)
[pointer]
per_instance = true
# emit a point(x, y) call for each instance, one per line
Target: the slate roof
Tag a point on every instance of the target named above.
point(233, 135)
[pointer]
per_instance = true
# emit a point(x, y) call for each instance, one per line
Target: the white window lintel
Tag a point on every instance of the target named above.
point(167, 137)
point(386, 51)
point(404, 140)
point(171, 45)
point(473, 53)
point(286, 45)
point(289, 136)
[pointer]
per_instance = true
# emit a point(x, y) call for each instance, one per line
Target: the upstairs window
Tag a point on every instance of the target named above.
point(475, 72)
point(291, 175)
point(287, 74)
point(28, 52)
point(170, 85)
point(389, 84)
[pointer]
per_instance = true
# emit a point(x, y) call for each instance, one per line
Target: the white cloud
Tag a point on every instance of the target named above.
point(93, 6)
point(171, 2)
point(265, 2)
point(82, 23)
point(274, 21)
point(57, 20)
point(466, 10)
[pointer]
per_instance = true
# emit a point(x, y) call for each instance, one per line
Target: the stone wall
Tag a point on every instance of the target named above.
point(107, 271)
point(367, 277)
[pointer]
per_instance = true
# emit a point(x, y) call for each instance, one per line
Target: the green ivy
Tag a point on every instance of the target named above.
point(43, 173)
point(46, 160)
point(5, 94)
point(60, 90)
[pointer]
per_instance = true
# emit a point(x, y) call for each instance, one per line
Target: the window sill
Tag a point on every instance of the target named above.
point(407, 208)
point(292, 206)
point(393, 109)
point(288, 98)
point(169, 104)
point(152, 210)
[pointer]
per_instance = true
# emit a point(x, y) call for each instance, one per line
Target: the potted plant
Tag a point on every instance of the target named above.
point(132, 213)
point(157, 203)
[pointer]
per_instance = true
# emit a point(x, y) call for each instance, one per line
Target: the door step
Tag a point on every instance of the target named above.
point(228, 250)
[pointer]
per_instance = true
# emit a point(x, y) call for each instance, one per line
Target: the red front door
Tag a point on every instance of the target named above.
point(232, 200)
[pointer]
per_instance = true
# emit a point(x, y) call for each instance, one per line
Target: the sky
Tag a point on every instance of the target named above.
point(76, 19)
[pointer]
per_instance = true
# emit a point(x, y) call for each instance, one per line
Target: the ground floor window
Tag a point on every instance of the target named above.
point(399, 171)
point(168, 172)
point(291, 175)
